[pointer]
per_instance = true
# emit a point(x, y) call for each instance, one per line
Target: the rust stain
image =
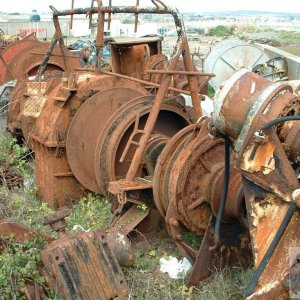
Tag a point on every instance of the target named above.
point(34, 105)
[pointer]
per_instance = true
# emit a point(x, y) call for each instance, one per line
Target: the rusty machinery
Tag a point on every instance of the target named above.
point(260, 118)
point(106, 131)
point(84, 126)
point(24, 57)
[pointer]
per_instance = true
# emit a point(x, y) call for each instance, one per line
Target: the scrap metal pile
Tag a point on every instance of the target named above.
point(129, 134)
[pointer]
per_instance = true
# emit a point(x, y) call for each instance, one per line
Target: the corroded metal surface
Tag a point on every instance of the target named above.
point(50, 131)
point(186, 184)
point(125, 128)
point(267, 160)
point(83, 266)
point(93, 116)
point(24, 57)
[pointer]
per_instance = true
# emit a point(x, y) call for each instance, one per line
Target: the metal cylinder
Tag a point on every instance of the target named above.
point(231, 55)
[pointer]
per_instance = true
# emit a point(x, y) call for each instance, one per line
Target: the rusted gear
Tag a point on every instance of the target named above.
point(187, 181)
point(93, 116)
point(130, 118)
point(24, 57)
point(162, 164)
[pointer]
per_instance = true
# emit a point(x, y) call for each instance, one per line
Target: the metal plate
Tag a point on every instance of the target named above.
point(87, 126)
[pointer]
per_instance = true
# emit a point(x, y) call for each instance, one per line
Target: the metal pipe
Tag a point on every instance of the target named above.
point(109, 16)
point(100, 37)
point(189, 66)
point(113, 10)
point(175, 72)
point(136, 19)
point(71, 20)
point(137, 158)
point(141, 81)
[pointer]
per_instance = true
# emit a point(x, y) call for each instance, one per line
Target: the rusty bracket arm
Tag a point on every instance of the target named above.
point(56, 38)
point(47, 57)
point(137, 158)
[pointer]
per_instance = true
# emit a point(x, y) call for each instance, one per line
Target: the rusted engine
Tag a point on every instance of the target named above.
point(85, 265)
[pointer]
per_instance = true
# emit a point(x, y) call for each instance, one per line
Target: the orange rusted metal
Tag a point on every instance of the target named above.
point(56, 181)
point(84, 265)
point(50, 112)
point(24, 57)
point(269, 173)
point(186, 184)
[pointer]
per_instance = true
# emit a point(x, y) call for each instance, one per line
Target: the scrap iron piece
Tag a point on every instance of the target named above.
point(84, 265)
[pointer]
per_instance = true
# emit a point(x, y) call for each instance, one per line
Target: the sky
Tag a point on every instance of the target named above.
point(27, 6)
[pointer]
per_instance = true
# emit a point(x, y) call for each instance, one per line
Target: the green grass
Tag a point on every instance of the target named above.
point(290, 36)
point(220, 31)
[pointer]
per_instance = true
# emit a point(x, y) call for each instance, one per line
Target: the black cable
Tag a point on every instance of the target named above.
point(280, 120)
point(224, 191)
point(285, 222)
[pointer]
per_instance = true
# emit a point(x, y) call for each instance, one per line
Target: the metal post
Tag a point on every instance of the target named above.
point(189, 66)
point(71, 21)
point(109, 16)
point(136, 20)
point(100, 36)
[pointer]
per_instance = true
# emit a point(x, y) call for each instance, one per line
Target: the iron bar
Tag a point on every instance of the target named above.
point(189, 66)
point(141, 81)
point(100, 37)
point(175, 72)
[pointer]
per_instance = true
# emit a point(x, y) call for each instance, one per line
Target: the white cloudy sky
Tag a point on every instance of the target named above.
point(182, 5)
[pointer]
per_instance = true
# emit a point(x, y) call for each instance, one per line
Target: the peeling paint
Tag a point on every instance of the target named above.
point(34, 105)
point(259, 157)
point(253, 88)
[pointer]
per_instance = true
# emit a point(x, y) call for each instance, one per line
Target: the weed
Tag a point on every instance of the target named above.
point(290, 36)
point(18, 265)
point(91, 212)
point(220, 30)
point(13, 156)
